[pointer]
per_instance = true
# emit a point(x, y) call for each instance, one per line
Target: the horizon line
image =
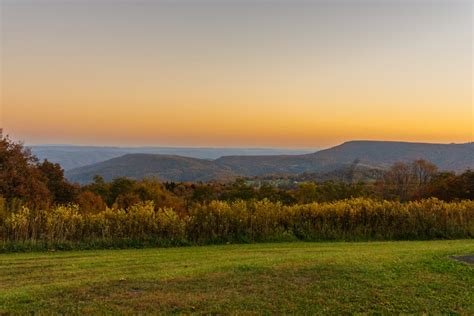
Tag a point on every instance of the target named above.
point(243, 147)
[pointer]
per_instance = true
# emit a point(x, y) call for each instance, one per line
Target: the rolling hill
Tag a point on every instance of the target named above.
point(370, 154)
point(164, 167)
point(71, 157)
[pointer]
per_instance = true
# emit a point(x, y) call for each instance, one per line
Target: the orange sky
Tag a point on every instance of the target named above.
point(236, 74)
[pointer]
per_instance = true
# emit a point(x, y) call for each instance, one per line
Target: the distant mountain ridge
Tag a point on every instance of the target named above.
point(371, 154)
point(70, 157)
point(378, 154)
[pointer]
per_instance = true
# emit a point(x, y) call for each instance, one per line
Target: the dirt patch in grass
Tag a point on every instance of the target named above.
point(467, 258)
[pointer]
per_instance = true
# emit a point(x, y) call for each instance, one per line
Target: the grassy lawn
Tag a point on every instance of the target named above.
point(416, 277)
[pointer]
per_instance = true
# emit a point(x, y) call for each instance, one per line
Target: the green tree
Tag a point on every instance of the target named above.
point(62, 192)
point(307, 192)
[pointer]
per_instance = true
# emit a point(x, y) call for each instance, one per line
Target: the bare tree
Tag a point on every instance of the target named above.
point(408, 180)
point(423, 172)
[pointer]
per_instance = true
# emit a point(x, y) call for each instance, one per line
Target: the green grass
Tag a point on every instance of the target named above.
point(411, 277)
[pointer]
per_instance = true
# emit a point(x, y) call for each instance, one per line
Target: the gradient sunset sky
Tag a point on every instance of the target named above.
point(236, 73)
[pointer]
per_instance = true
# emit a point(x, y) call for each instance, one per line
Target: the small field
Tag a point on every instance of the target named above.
point(411, 277)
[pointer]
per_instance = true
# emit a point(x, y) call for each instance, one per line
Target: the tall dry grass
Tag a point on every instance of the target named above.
point(255, 221)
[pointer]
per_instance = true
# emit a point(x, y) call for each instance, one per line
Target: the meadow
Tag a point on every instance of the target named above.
point(337, 277)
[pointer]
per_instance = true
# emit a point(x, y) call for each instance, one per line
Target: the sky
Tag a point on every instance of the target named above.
point(295, 74)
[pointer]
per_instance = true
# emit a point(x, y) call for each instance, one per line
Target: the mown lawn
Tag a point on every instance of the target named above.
point(412, 277)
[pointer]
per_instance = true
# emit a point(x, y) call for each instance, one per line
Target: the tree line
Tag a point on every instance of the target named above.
point(25, 181)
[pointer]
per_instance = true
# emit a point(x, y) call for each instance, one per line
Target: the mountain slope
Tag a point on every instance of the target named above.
point(453, 157)
point(371, 154)
point(165, 167)
point(379, 154)
point(70, 157)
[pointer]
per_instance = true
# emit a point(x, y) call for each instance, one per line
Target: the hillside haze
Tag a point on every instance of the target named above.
point(371, 154)
point(70, 157)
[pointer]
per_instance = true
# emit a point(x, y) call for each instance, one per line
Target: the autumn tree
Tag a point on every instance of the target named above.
point(448, 186)
point(153, 190)
point(21, 181)
point(61, 191)
point(307, 192)
point(89, 202)
point(100, 188)
point(238, 190)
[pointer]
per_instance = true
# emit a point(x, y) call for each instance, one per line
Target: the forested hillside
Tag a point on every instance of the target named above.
point(366, 154)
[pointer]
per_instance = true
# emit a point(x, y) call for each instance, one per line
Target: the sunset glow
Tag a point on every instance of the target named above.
point(231, 73)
